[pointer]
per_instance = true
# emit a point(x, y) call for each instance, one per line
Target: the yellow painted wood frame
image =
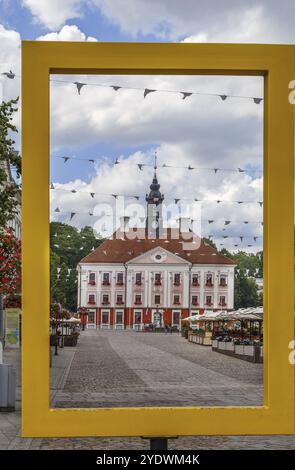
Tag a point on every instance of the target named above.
point(277, 65)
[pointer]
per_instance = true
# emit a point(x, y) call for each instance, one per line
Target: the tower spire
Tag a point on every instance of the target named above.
point(154, 201)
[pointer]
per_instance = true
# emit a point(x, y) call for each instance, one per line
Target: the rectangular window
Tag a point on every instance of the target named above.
point(91, 279)
point(195, 300)
point(91, 299)
point(105, 318)
point(195, 280)
point(158, 279)
point(119, 299)
point(157, 299)
point(120, 279)
point(119, 317)
point(222, 301)
point(91, 316)
point(106, 279)
point(176, 318)
point(223, 280)
point(176, 299)
point(138, 280)
point(105, 299)
point(209, 280)
point(208, 300)
point(177, 279)
point(138, 299)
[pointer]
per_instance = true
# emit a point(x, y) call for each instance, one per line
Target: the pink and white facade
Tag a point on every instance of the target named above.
point(157, 278)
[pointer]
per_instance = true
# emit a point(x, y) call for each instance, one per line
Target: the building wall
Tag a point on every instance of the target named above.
point(147, 291)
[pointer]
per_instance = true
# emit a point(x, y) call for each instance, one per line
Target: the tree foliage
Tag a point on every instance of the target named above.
point(68, 246)
point(8, 157)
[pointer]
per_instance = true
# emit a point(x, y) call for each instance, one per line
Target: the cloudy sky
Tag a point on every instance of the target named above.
point(203, 130)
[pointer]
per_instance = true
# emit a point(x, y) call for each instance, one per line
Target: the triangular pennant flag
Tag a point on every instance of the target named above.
point(68, 236)
point(66, 159)
point(210, 221)
point(176, 201)
point(185, 94)
point(93, 248)
point(225, 236)
point(52, 186)
point(196, 199)
point(73, 191)
point(136, 197)
point(241, 238)
point(255, 238)
point(240, 170)
point(190, 167)
point(218, 201)
point(9, 74)
point(261, 223)
point(92, 194)
point(90, 213)
point(250, 245)
point(82, 247)
point(257, 100)
point(91, 160)
point(240, 202)
point(115, 87)
point(227, 222)
point(260, 203)
point(79, 86)
point(57, 246)
point(223, 97)
point(115, 196)
point(164, 165)
point(72, 215)
point(140, 165)
point(147, 91)
point(55, 234)
point(246, 221)
point(57, 210)
point(117, 161)
point(236, 245)
point(215, 170)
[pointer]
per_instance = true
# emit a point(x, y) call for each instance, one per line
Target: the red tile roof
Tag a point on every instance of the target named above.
point(123, 247)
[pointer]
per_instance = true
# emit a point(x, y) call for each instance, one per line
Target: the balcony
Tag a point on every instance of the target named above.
point(223, 284)
point(158, 283)
point(119, 283)
point(106, 283)
point(137, 302)
point(91, 283)
point(176, 302)
point(222, 304)
point(195, 303)
point(176, 283)
point(105, 302)
point(209, 284)
point(120, 302)
point(91, 302)
point(195, 284)
point(209, 304)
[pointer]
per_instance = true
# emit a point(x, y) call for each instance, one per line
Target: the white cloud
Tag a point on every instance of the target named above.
point(54, 13)
point(67, 33)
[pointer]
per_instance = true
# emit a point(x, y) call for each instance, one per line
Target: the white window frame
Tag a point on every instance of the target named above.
point(95, 298)
point(105, 326)
point(178, 295)
point(137, 326)
point(137, 295)
point(196, 295)
point(119, 326)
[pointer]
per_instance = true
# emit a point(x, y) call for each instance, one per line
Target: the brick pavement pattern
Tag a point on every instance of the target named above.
point(143, 364)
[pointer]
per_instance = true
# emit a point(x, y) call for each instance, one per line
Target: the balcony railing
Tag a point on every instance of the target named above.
point(105, 302)
point(120, 302)
point(91, 283)
point(195, 302)
point(119, 283)
point(158, 283)
point(176, 302)
point(223, 284)
point(195, 284)
point(106, 283)
point(91, 302)
point(209, 284)
point(137, 302)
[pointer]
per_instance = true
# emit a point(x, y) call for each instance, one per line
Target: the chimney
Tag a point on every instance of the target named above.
point(124, 223)
point(184, 224)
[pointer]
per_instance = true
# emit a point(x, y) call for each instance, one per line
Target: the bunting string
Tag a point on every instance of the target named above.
point(137, 197)
point(184, 95)
point(141, 166)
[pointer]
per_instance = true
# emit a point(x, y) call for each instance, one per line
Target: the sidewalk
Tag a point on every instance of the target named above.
point(10, 424)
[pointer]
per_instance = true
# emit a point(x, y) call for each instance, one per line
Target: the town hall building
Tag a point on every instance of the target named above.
point(157, 277)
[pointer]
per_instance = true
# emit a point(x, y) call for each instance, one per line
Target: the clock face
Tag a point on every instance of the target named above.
point(159, 256)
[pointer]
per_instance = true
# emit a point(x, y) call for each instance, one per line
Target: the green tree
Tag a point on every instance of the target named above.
point(8, 157)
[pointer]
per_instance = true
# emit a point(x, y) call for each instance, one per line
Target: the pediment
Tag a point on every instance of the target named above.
point(158, 256)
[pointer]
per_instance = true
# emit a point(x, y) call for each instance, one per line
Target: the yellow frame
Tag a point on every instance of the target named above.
point(277, 65)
